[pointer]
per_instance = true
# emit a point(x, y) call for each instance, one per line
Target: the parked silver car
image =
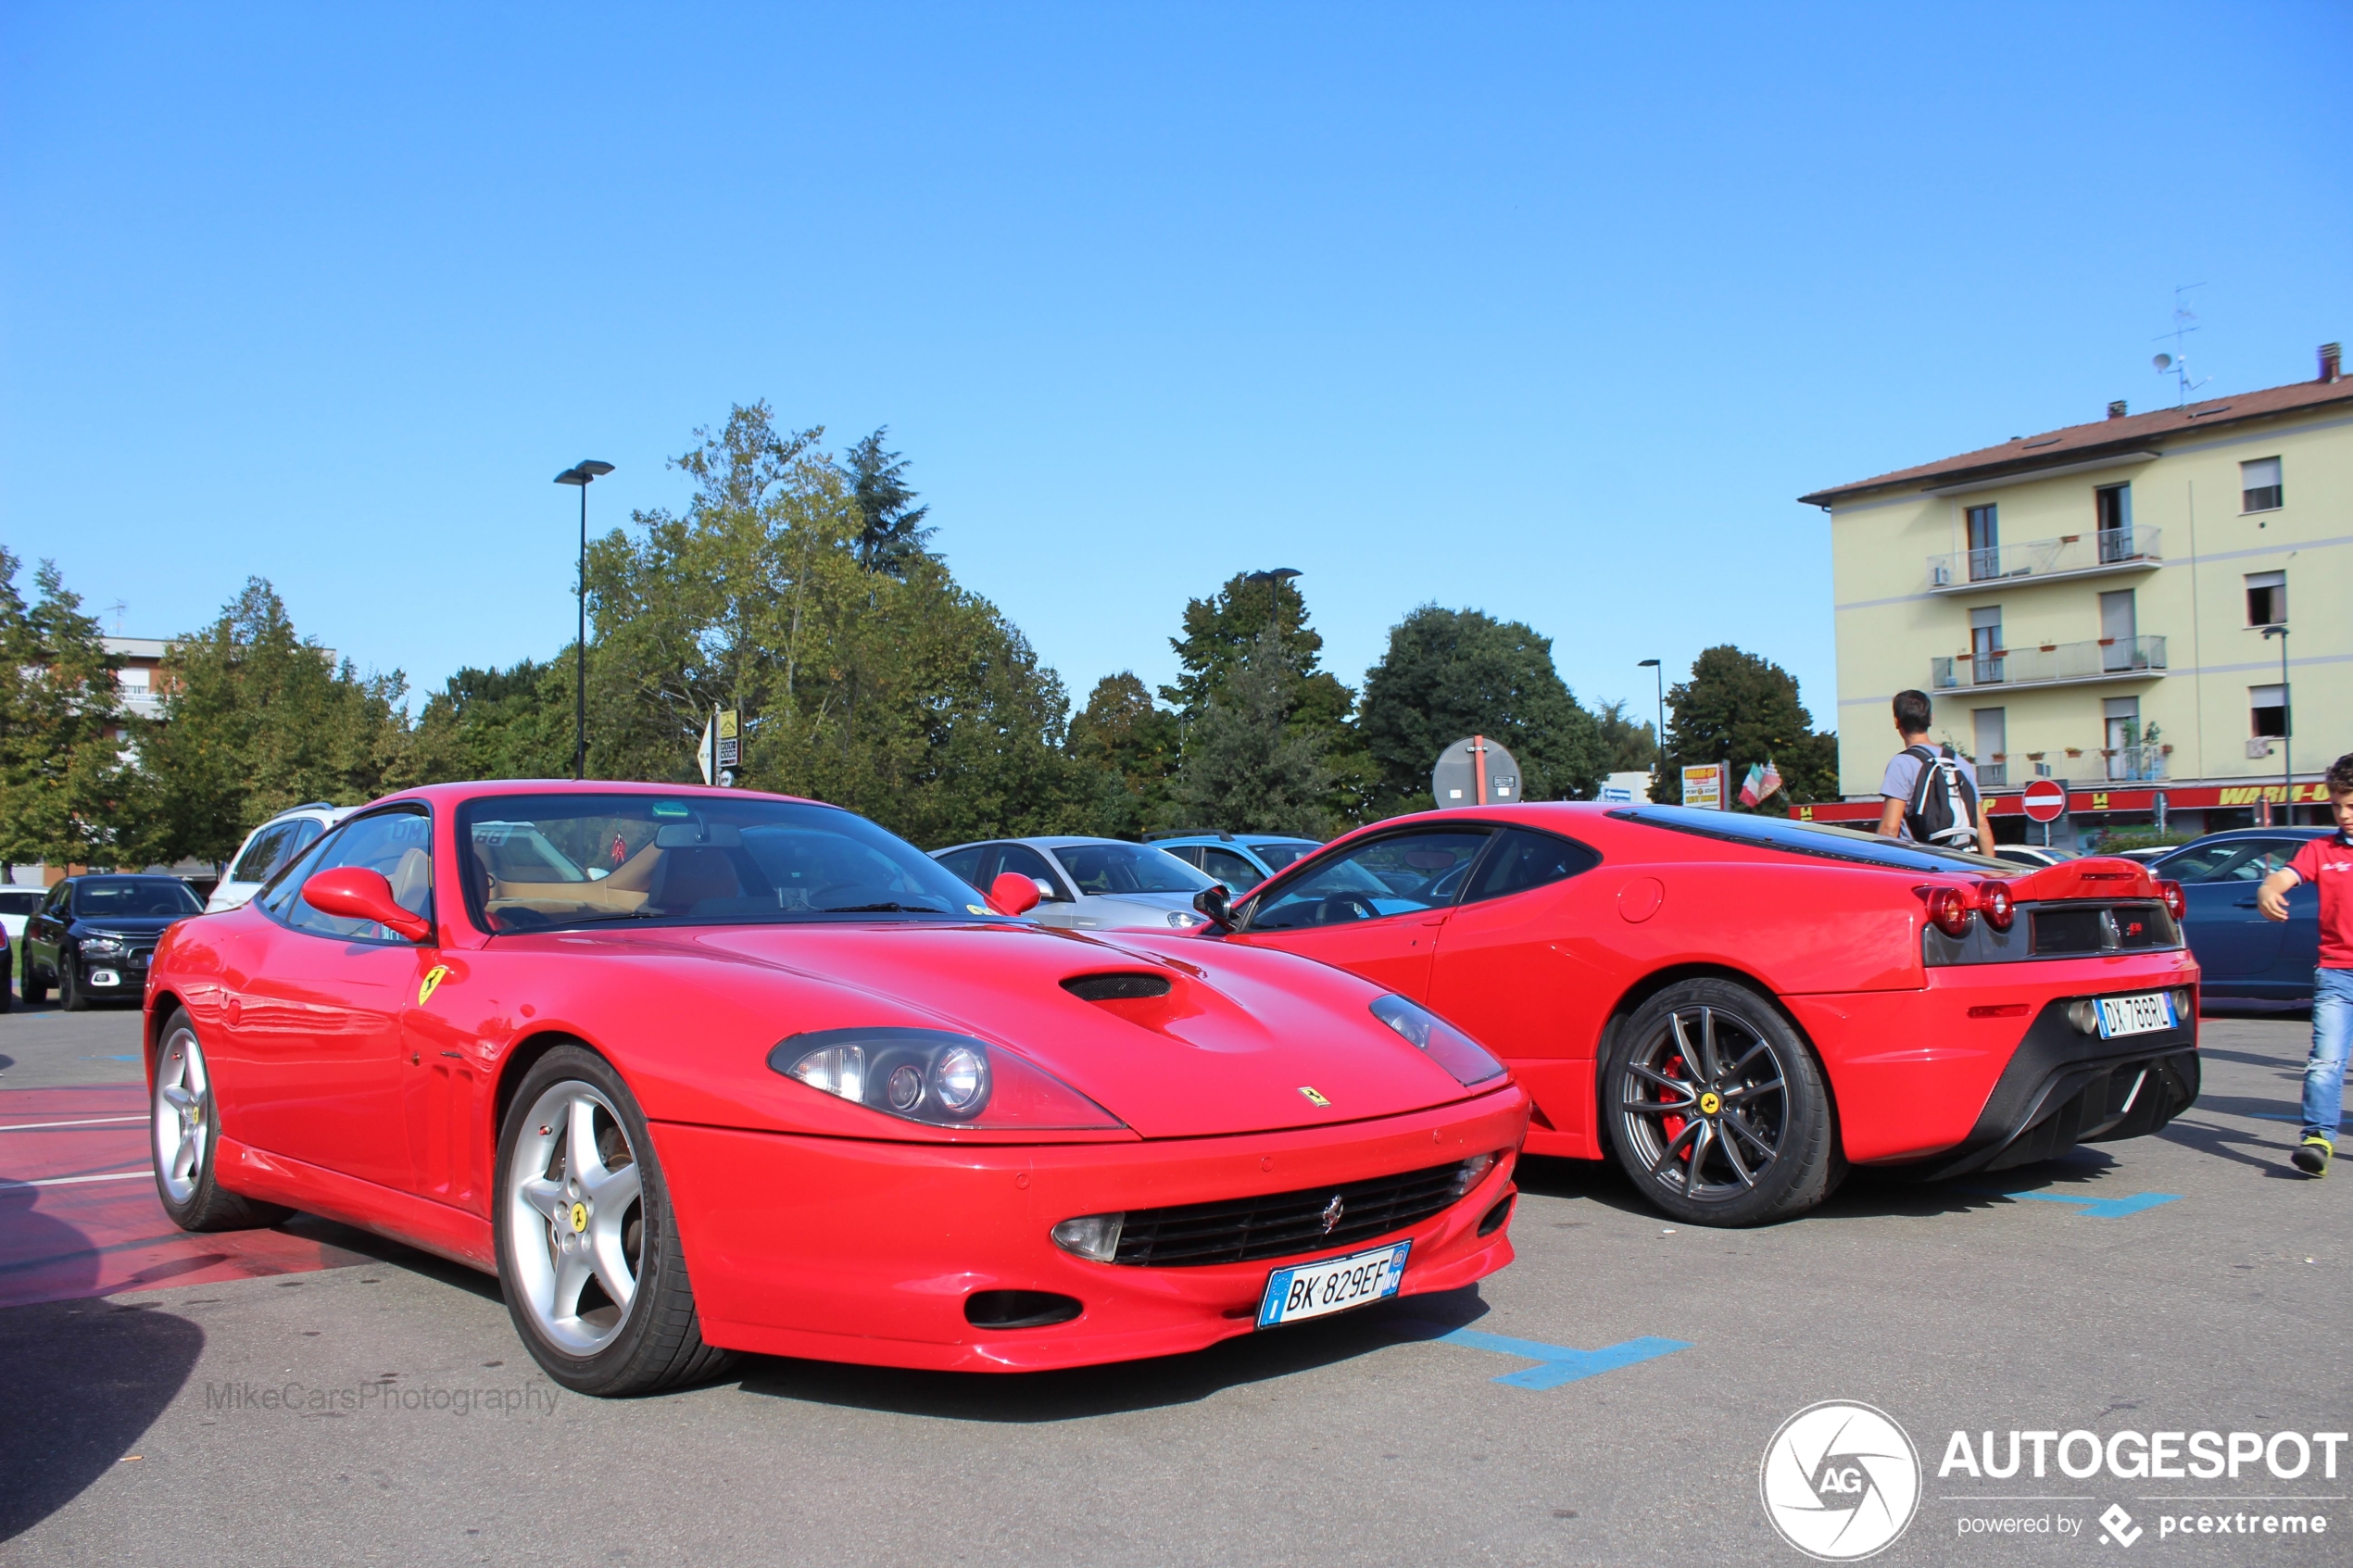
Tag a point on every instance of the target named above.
point(271, 846)
point(1088, 883)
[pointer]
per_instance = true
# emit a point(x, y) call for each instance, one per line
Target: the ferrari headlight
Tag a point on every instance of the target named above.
point(1472, 1172)
point(1093, 1237)
point(1444, 1044)
point(936, 1077)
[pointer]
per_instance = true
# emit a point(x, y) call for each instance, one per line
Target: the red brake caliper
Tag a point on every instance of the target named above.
point(1673, 1125)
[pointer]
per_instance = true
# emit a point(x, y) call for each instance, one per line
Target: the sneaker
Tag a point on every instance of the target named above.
point(2312, 1156)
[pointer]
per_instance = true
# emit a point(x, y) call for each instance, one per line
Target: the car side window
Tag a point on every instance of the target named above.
point(1022, 861)
point(2238, 859)
point(1238, 875)
point(965, 865)
point(396, 844)
point(1522, 860)
point(271, 846)
point(1400, 874)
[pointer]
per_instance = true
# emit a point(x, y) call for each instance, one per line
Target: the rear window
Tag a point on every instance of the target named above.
point(1816, 839)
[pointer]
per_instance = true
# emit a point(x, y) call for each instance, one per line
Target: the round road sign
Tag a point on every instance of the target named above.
point(2045, 800)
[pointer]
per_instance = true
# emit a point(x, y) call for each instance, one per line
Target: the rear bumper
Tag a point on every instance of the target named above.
point(1949, 1078)
point(842, 1250)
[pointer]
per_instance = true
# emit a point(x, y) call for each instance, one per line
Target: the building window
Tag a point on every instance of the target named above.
point(1985, 647)
point(2121, 715)
point(2119, 631)
point(2268, 705)
point(1984, 543)
point(2114, 505)
point(2260, 487)
point(1991, 732)
point(2267, 598)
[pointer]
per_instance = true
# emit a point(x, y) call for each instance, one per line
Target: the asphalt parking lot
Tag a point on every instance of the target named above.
point(312, 1395)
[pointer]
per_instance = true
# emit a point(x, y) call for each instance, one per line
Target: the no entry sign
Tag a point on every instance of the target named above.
point(2045, 800)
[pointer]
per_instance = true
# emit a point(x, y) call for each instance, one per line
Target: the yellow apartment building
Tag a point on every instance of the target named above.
point(2108, 605)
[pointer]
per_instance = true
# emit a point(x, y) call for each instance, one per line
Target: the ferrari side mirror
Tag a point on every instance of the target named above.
point(1012, 893)
point(1215, 905)
point(356, 893)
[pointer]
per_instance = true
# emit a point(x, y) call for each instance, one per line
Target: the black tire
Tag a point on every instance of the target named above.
point(1761, 1142)
point(71, 996)
point(191, 1190)
point(654, 1341)
point(30, 985)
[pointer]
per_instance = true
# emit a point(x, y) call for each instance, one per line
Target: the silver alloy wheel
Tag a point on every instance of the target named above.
point(182, 1114)
point(1704, 1104)
point(576, 1212)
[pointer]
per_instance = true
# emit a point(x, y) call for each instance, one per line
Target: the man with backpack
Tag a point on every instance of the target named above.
point(1929, 792)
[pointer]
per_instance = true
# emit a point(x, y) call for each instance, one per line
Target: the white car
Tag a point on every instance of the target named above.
point(1088, 883)
point(271, 846)
point(16, 903)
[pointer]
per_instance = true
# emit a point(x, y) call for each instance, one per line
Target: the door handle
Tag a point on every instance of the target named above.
point(2245, 904)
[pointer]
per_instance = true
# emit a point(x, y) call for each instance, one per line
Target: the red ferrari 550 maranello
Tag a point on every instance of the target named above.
point(700, 1071)
point(1739, 1006)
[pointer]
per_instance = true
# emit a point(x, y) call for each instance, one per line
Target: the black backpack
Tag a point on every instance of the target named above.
point(1942, 809)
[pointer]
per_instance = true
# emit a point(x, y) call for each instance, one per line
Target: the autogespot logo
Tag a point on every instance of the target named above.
point(1840, 1481)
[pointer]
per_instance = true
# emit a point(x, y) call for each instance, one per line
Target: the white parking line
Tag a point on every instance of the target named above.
point(68, 1181)
point(88, 1122)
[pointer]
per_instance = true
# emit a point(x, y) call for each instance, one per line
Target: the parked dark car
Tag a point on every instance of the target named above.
point(2240, 953)
point(93, 935)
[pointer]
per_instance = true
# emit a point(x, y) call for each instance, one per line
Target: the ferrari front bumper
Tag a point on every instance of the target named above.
point(856, 1250)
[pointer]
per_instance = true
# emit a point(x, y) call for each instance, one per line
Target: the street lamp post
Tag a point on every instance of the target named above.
point(1659, 678)
point(1274, 581)
point(2288, 721)
point(579, 475)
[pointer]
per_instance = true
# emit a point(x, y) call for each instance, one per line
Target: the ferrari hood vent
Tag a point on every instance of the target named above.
point(1128, 986)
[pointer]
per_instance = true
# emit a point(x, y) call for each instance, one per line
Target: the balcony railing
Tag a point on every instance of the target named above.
point(2107, 659)
point(2126, 762)
point(143, 702)
point(1992, 775)
point(2106, 549)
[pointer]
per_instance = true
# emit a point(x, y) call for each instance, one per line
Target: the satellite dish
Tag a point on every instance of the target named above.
point(2163, 363)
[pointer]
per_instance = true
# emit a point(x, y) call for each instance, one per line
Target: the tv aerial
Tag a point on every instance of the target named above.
point(2177, 364)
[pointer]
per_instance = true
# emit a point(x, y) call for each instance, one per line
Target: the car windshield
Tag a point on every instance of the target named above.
point(135, 897)
point(1110, 869)
point(1817, 839)
point(1278, 855)
point(540, 862)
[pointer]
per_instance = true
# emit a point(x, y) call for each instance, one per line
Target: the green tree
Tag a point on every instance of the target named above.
point(1629, 746)
point(1741, 709)
point(1128, 746)
point(512, 724)
point(1248, 767)
point(1447, 674)
point(890, 530)
point(256, 719)
point(66, 790)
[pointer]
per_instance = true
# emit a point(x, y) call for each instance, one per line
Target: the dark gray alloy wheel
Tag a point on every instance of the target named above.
point(185, 1123)
point(588, 1252)
point(1718, 1109)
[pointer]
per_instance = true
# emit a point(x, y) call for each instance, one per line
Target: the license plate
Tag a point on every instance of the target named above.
point(2144, 1014)
point(1309, 1290)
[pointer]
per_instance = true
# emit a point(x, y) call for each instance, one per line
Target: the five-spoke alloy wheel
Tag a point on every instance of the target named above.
point(587, 1249)
point(186, 1139)
point(1718, 1109)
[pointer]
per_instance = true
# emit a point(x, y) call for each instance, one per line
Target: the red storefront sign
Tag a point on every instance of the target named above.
point(2140, 797)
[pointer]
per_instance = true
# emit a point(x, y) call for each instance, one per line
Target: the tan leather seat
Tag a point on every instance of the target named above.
point(412, 882)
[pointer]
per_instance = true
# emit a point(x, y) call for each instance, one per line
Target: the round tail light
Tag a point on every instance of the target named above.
point(2175, 899)
point(1949, 908)
point(1993, 901)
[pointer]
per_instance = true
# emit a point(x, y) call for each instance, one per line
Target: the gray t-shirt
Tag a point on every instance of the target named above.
point(1904, 772)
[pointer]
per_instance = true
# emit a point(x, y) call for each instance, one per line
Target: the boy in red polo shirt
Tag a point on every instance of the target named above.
point(2328, 863)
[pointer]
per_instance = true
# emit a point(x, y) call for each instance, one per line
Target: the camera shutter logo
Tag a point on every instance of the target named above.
point(1840, 1481)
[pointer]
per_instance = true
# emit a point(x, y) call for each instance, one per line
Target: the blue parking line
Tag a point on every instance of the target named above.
point(1557, 1364)
point(2093, 1208)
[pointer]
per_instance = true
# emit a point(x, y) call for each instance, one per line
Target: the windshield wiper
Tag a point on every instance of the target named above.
point(878, 909)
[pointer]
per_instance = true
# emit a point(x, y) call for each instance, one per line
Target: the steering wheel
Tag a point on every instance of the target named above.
point(1344, 907)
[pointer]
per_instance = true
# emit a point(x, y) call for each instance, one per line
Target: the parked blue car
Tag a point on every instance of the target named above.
point(2240, 952)
point(1240, 860)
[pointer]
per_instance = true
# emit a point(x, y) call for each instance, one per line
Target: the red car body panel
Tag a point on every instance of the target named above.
point(349, 1082)
point(1539, 976)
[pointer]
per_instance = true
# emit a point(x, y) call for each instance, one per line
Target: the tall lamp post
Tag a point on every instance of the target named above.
point(2287, 720)
point(1274, 581)
point(1659, 678)
point(579, 475)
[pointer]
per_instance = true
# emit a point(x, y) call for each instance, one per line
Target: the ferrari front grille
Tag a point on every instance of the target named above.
point(1284, 1224)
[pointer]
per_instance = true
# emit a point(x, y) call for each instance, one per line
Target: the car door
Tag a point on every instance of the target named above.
point(1517, 966)
point(316, 1037)
point(1060, 905)
point(1237, 871)
point(44, 932)
point(2232, 942)
point(1374, 907)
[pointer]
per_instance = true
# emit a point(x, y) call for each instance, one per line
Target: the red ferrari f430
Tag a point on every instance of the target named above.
point(705, 1070)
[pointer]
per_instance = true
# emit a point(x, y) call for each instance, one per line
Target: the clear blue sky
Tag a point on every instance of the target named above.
point(1547, 311)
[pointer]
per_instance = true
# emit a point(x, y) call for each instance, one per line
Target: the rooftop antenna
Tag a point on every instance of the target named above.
point(2177, 364)
point(116, 609)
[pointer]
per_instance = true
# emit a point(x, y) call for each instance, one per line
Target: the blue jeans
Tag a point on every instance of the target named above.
point(2332, 1034)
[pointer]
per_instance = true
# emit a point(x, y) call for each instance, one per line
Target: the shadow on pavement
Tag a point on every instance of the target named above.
point(80, 1382)
point(1130, 1386)
point(392, 1254)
